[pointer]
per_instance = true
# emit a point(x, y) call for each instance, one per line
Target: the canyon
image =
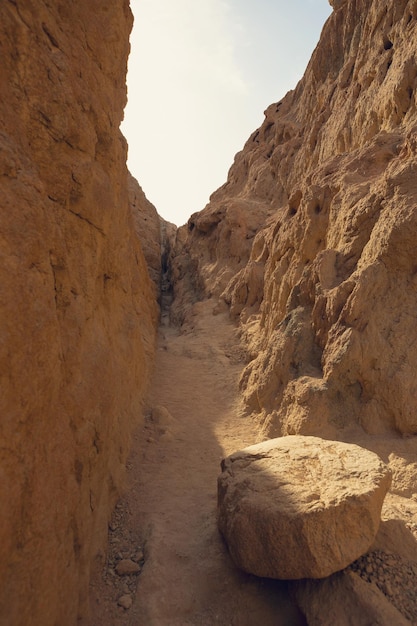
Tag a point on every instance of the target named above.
point(135, 355)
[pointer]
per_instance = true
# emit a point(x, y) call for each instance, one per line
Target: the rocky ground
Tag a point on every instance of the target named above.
point(394, 576)
point(164, 531)
point(166, 563)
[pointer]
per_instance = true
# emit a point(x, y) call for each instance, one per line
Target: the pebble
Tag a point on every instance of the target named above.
point(388, 589)
point(139, 556)
point(127, 566)
point(125, 601)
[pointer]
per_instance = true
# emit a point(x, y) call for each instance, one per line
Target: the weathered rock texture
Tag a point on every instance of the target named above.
point(77, 309)
point(148, 227)
point(346, 600)
point(300, 507)
point(157, 237)
point(312, 239)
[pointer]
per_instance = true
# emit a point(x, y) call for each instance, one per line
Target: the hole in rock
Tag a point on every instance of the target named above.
point(388, 44)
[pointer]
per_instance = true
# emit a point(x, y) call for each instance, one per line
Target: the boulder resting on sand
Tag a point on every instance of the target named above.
point(300, 507)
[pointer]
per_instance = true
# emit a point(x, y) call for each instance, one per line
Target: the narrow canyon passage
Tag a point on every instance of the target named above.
point(169, 512)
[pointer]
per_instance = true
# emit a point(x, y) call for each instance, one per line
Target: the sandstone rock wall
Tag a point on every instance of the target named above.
point(149, 229)
point(319, 213)
point(77, 308)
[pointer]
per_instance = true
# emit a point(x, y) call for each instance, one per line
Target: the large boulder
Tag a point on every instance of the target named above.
point(300, 507)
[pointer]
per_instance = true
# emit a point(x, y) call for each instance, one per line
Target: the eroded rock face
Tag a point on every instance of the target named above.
point(346, 600)
point(157, 238)
point(148, 227)
point(336, 4)
point(300, 507)
point(77, 308)
point(322, 272)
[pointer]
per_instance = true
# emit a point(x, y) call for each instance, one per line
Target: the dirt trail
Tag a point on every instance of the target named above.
point(169, 511)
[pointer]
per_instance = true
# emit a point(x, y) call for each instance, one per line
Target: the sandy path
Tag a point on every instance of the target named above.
point(170, 509)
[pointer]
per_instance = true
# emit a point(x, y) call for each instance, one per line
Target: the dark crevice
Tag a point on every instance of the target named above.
point(85, 219)
point(50, 36)
point(166, 285)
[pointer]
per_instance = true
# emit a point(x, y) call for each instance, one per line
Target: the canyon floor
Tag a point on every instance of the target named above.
point(166, 522)
point(165, 525)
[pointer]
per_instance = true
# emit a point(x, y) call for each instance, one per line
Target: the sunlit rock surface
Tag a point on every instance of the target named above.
point(312, 239)
point(300, 507)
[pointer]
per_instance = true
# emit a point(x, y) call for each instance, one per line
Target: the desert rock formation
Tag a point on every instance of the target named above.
point(300, 507)
point(336, 601)
point(166, 521)
point(310, 245)
point(311, 240)
point(148, 227)
point(158, 242)
point(78, 311)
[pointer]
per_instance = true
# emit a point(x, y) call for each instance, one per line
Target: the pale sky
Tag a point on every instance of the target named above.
point(201, 73)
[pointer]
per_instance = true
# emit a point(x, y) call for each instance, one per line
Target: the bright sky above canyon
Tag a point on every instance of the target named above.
point(201, 73)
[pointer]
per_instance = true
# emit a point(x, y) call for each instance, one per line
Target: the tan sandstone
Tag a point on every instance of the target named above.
point(77, 308)
point(311, 240)
point(148, 227)
point(310, 243)
point(319, 212)
point(300, 507)
point(346, 600)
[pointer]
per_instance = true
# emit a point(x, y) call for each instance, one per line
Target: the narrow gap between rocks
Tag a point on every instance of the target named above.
point(166, 523)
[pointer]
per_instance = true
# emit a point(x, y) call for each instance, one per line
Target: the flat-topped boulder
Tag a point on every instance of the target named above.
point(300, 507)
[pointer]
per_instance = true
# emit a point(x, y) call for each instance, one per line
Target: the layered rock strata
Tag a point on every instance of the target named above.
point(77, 308)
point(311, 240)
